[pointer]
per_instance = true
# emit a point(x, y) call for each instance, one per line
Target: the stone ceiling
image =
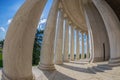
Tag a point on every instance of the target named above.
point(115, 4)
point(74, 11)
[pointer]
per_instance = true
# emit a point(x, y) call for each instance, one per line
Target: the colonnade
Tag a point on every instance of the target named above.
point(63, 34)
point(18, 46)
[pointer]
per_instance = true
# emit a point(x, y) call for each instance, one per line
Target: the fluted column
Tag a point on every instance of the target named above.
point(66, 47)
point(88, 52)
point(77, 44)
point(72, 44)
point(59, 39)
point(18, 46)
point(47, 50)
point(112, 24)
point(82, 55)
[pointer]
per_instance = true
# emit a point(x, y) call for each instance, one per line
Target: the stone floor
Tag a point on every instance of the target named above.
point(79, 71)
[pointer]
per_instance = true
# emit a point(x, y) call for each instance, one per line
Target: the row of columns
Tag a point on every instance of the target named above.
point(66, 48)
point(56, 51)
point(17, 52)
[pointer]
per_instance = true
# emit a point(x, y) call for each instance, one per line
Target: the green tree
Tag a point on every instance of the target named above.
point(1, 43)
point(37, 47)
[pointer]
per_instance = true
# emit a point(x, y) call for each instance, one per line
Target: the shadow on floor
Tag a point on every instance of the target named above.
point(100, 68)
point(90, 70)
point(56, 75)
point(85, 70)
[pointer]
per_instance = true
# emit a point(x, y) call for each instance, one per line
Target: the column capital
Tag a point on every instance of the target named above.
point(69, 22)
point(86, 32)
point(65, 16)
point(78, 28)
point(82, 32)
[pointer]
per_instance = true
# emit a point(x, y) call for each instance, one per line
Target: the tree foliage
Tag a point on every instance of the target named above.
point(1, 43)
point(37, 47)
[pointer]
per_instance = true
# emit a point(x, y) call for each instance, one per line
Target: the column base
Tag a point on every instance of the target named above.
point(59, 62)
point(114, 62)
point(77, 59)
point(5, 77)
point(82, 56)
point(72, 59)
point(49, 67)
point(66, 60)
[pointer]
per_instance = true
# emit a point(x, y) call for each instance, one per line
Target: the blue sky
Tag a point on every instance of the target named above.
point(8, 9)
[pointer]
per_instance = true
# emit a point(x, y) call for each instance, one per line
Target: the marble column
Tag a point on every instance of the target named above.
point(77, 45)
point(112, 24)
point(18, 45)
point(59, 39)
point(82, 55)
point(66, 44)
point(88, 52)
point(47, 50)
point(72, 44)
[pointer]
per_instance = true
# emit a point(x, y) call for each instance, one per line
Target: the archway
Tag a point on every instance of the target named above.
point(96, 25)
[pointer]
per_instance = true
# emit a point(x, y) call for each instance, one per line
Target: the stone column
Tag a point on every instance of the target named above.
point(78, 45)
point(72, 44)
point(59, 39)
point(18, 46)
point(112, 24)
point(88, 52)
point(47, 50)
point(82, 55)
point(66, 47)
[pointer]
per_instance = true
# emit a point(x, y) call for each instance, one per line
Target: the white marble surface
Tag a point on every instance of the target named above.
point(76, 71)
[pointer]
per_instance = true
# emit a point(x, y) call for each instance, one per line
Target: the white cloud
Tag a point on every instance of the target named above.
point(2, 29)
point(42, 21)
point(9, 21)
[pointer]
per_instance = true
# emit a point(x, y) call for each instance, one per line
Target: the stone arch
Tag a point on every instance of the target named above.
point(112, 24)
point(17, 52)
point(96, 25)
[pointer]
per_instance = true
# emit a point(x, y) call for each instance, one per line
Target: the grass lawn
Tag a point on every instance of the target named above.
point(1, 62)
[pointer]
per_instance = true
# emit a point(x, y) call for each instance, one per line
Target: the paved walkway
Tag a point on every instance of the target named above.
point(79, 71)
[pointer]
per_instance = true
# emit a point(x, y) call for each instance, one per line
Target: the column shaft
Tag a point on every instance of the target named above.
point(88, 52)
point(47, 50)
point(82, 55)
point(78, 45)
point(66, 49)
point(59, 39)
point(72, 44)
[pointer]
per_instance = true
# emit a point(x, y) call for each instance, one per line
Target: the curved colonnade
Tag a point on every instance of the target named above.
point(94, 18)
